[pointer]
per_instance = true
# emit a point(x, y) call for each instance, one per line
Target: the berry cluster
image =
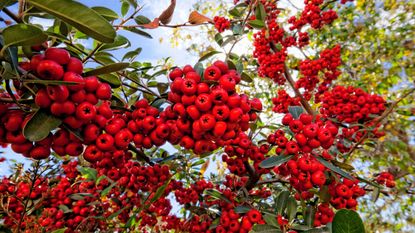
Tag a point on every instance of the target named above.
point(351, 105)
point(208, 113)
point(283, 101)
point(324, 215)
point(345, 193)
point(387, 179)
point(328, 64)
point(234, 222)
point(313, 15)
point(221, 23)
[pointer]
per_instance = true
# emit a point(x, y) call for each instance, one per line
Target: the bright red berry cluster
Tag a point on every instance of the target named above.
point(313, 15)
point(283, 101)
point(387, 179)
point(221, 23)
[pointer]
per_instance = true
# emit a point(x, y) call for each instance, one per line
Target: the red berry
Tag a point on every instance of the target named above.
point(59, 55)
point(50, 70)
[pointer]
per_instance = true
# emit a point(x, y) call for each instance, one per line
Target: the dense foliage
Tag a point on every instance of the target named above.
point(308, 124)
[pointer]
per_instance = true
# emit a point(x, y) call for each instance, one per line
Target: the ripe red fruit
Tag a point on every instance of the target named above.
point(91, 83)
point(187, 69)
point(311, 130)
point(219, 96)
point(222, 66)
point(103, 91)
point(79, 96)
point(221, 112)
point(123, 138)
point(59, 55)
point(193, 112)
point(301, 139)
point(207, 122)
point(306, 118)
point(85, 111)
point(92, 154)
point(286, 120)
point(291, 148)
point(203, 102)
point(39, 152)
point(74, 149)
point(91, 133)
point(193, 75)
point(220, 129)
point(49, 70)
point(256, 104)
point(177, 72)
point(58, 93)
point(212, 73)
point(36, 59)
point(42, 99)
point(68, 107)
point(318, 178)
point(235, 115)
point(296, 126)
point(254, 216)
point(227, 82)
point(189, 87)
point(202, 88)
point(74, 65)
point(74, 77)
point(105, 142)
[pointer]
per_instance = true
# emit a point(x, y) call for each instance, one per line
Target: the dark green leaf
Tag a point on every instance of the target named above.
point(62, 230)
point(158, 102)
point(208, 55)
point(88, 173)
point(216, 194)
point(107, 69)
point(309, 216)
point(124, 8)
point(65, 209)
point(80, 16)
point(265, 229)
point(291, 208)
point(108, 189)
point(119, 42)
point(139, 32)
point(242, 209)
point(237, 29)
point(199, 68)
point(256, 23)
point(334, 168)
point(132, 54)
point(245, 77)
point(260, 12)
point(235, 12)
point(111, 79)
point(23, 35)
point(270, 219)
point(142, 20)
point(159, 192)
point(105, 12)
point(282, 201)
point(219, 39)
point(375, 194)
point(347, 221)
point(275, 161)
point(295, 111)
point(40, 125)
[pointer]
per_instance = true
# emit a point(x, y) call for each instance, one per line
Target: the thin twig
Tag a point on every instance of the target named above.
point(12, 15)
point(253, 176)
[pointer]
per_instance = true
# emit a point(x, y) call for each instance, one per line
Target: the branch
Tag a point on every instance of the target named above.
point(140, 154)
point(275, 180)
point(380, 119)
point(12, 15)
point(253, 176)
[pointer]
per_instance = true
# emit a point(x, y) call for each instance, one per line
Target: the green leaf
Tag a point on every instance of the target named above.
point(237, 29)
point(199, 68)
point(80, 16)
point(88, 173)
point(260, 12)
point(40, 125)
point(142, 20)
point(256, 23)
point(282, 201)
point(275, 161)
point(216, 194)
point(108, 189)
point(124, 8)
point(291, 208)
point(108, 69)
point(235, 12)
point(139, 32)
point(159, 192)
point(119, 42)
point(6, 3)
point(265, 229)
point(309, 216)
point(132, 54)
point(219, 39)
point(106, 12)
point(270, 219)
point(111, 79)
point(347, 221)
point(295, 111)
point(23, 35)
point(334, 168)
point(242, 209)
point(208, 55)
point(62, 230)
point(245, 77)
